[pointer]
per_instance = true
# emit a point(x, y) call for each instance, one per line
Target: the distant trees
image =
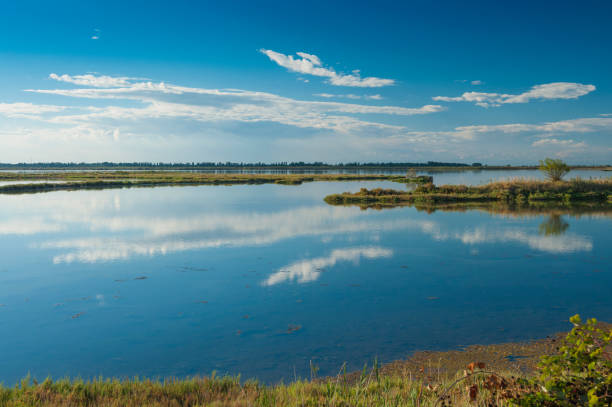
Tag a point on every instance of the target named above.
point(554, 169)
point(229, 165)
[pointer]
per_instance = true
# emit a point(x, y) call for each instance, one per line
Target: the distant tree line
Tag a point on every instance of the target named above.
point(229, 164)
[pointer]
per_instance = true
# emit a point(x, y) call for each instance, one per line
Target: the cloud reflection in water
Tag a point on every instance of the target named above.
point(99, 227)
point(306, 271)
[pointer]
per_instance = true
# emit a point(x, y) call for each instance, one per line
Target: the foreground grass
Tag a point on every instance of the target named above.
point(418, 381)
point(516, 192)
point(424, 379)
point(370, 389)
point(66, 181)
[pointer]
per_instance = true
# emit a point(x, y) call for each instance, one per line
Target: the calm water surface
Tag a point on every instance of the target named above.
point(260, 280)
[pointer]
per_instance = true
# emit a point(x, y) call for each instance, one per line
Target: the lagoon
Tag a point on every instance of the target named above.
point(262, 279)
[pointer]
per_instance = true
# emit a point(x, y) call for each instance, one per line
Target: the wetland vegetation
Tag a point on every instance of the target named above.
point(558, 371)
point(66, 181)
point(516, 193)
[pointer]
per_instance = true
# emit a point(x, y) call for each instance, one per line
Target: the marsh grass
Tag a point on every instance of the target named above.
point(512, 192)
point(425, 379)
point(370, 389)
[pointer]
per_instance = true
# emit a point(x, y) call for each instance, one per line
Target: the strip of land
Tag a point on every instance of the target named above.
point(67, 181)
point(279, 166)
point(515, 193)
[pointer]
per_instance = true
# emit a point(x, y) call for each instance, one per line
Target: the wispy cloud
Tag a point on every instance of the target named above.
point(349, 96)
point(311, 65)
point(159, 101)
point(559, 143)
point(581, 125)
point(157, 116)
point(548, 91)
point(100, 81)
point(27, 110)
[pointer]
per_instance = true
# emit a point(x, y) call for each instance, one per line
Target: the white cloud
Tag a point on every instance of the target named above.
point(582, 125)
point(131, 112)
point(558, 143)
point(311, 65)
point(101, 81)
point(27, 110)
point(218, 105)
point(349, 96)
point(548, 91)
point(476, 82)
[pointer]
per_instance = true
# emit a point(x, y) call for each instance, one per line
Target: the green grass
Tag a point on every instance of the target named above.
point(424, 379)
point(369, 389)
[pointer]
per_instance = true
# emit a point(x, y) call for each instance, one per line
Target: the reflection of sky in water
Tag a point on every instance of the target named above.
point(306, 271)
point(228, 269)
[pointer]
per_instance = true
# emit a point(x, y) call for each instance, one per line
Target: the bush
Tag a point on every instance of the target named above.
point(554, 169)
point(580, 375)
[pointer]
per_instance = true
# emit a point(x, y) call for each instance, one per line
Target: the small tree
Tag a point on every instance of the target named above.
point(554, 169)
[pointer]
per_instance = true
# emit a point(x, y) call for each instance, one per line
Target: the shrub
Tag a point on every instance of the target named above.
point(554, 169)
point(580, 374)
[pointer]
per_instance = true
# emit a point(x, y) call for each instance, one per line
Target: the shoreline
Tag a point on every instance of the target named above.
point(428, 374)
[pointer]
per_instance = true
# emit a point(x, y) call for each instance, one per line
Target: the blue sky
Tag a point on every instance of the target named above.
point(282, 81)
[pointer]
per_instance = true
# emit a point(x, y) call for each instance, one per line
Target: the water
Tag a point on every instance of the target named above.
point(3, 183)
point(259, 280)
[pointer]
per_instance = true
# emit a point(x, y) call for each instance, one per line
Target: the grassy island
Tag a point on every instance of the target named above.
point(67, 181)
point(517, 192)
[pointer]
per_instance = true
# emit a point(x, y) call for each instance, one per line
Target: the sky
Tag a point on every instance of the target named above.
point(182, 81)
